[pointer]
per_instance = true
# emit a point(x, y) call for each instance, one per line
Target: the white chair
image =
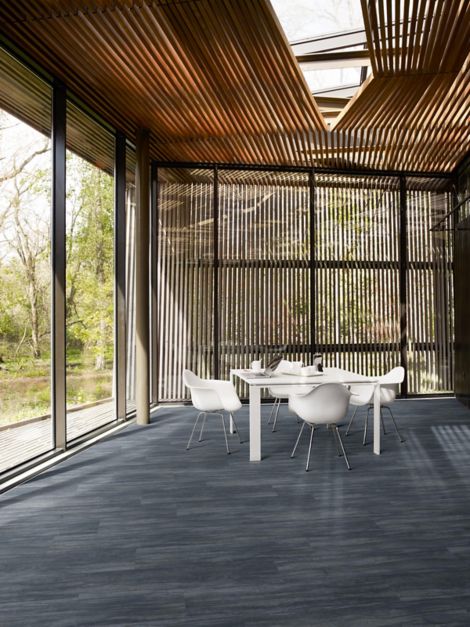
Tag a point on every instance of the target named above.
point(211, 396)
point(282, 392)
point(327, 404)
point(388, 391)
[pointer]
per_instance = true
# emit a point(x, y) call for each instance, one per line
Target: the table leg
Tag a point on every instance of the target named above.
point(231, 425)
point(255, 423)
point(377, 419)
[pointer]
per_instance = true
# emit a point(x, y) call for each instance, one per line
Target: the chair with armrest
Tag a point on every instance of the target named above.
point(388, 392)
point(326, 404)
point(283, 392)
point(211, 396)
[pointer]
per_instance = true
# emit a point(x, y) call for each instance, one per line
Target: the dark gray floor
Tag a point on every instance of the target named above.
point(137, 531)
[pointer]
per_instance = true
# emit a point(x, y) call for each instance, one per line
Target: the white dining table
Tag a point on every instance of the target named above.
point(332, 375)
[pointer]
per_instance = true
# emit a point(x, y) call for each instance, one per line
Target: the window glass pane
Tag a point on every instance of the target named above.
point(25, 264)
point(130, 278)
point(185, 276)
point(89, 274)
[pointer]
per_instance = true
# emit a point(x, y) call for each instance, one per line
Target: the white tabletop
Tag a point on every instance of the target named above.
point(332, 376)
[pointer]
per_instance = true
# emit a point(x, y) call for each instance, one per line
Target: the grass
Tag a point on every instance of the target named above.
point(25, 385)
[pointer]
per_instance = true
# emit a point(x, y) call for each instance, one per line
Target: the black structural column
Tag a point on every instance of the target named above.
point(216, 273)
point(142, 228)
point(58, 364)
point(311, 188)
point(154, 322)
point(120, 275)
point(403, 265)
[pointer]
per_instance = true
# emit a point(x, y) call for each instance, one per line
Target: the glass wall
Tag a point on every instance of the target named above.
point(25, 264)
point(90, 274)
point(356, 278)
point(130, 279)
point(239, 278)
point(263, 268)
point(186, 277)
point(430, 287)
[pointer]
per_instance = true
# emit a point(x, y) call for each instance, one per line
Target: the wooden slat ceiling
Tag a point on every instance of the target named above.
point(413, 112)
point(216, 81)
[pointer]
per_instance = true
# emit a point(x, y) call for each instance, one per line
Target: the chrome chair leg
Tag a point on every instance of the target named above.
point(225, 433)
point(351, 421)
point(394, 423)
point(364, 439)
point(202, 427)
point(342, 448)
point(382, 421)
point(298, 439)
point(236, 427)
point(276, 415)
point(333, 433)
point(273, 407)
point(194, 429)
point(309, 447)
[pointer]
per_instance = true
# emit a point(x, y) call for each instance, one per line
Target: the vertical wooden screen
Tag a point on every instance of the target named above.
point(263, 263)
point(430, 288)
point(356, 275)
point(267, 272)
point(185, 275)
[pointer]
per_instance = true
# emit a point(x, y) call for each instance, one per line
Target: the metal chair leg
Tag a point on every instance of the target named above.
point(236, 427)
point(194, 429)
point(202, 427)
point(351, 421)
point(298, 439)
point(225, 433)
point(382, 421)
point(309, 447)
point(333, 433)
point(342, 448)
point(275, 417)
point(394, 423)
point(273, 407)
point(364, 439)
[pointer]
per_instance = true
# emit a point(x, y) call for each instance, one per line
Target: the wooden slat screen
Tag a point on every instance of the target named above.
point(186, 266)
point(264, 274)
point(356, 278)
point(430, 293)
point(268, 271)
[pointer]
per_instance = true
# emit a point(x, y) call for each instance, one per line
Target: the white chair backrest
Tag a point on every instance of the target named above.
point(190, 379)
point(289, 367)
point(210, 394)
point(394, 377)
point(326, 404)
point(389, 384)
point(202, 396)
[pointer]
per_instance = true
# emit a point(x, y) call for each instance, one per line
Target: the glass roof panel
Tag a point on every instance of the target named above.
point(301, 19)
point(323, 79)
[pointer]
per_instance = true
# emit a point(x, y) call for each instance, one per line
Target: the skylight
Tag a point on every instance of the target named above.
point(329, 41)
point(303, 19)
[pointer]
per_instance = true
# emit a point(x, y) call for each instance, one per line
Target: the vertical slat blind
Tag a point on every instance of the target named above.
point(430, 291)
point(265, 274)
point(356, 275)
point(185, 263)
point(263, 269)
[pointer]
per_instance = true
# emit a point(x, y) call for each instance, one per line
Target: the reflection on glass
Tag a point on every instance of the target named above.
point(89, 279)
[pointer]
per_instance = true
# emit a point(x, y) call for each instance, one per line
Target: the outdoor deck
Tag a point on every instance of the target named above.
point(24, 441)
